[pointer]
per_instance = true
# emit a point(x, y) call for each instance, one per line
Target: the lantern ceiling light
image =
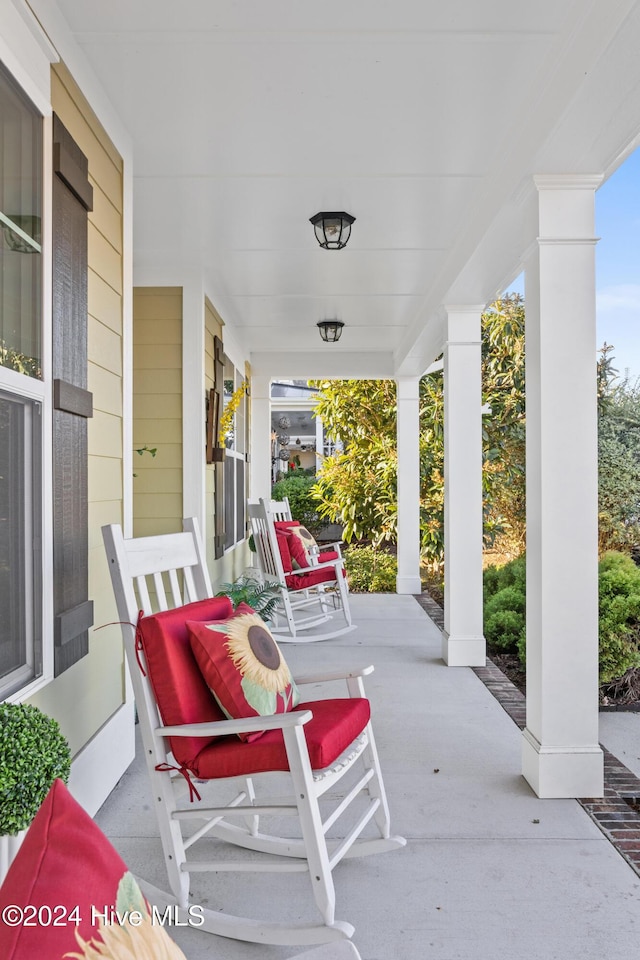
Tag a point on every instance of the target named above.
point(330, 330)
point(332, 229)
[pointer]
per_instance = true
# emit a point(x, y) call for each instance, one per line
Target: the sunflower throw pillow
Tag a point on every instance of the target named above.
point(243, 667)
point(301, 543)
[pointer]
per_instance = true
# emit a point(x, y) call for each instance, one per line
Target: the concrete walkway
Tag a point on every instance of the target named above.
point(490, 872)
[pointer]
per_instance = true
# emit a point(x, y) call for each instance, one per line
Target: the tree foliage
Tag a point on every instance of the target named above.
point(618, 457)
point(503, 433)
point(357, 487)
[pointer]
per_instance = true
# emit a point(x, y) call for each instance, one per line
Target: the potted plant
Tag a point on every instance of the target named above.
point(261, 597)
point(33, 753)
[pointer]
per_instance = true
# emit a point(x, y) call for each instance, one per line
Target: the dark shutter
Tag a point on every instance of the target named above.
point(72, 198)
point(218, 381)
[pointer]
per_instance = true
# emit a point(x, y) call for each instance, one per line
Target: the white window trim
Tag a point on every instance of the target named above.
point(41, 390)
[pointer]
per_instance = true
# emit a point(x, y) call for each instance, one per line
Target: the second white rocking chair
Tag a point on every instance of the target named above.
point(319, 590)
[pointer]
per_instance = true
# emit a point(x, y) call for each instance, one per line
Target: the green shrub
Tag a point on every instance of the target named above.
point(33, 753)
point(619, 612)
point(503, 629)
point(508, 598)
point(510, 574)
point(619, 615)
point(490, 580)
point(505, 605)
point(370, 570)
point(297, 488)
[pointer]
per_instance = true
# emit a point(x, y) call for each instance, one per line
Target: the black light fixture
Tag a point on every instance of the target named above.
point(332, 229)
point(330, 330)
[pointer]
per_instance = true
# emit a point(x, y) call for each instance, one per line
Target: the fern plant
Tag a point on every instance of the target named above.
point(261, 597)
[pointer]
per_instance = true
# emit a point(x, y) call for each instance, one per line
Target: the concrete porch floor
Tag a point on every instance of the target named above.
point(489, 870)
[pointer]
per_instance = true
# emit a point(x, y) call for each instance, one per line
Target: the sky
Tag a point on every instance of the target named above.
point(617, 267)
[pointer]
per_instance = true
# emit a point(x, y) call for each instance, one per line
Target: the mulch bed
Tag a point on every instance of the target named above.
point(622, 694)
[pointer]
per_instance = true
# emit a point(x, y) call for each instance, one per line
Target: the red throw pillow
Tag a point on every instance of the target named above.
point(243, 667)
point(283, 547)
point(181, 693)
point(300, 542)
point(65, 886)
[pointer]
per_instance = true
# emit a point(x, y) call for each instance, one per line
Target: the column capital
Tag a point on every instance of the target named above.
point(407, 388)
point(463, 323)
point(567, 181)
point(260, 387)
point(454, 308)
point(566, 208)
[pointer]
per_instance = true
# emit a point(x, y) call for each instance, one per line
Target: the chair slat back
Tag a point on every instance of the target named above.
point(146, 571)
point(146, 574)
point(279, 509)
point(266, 541)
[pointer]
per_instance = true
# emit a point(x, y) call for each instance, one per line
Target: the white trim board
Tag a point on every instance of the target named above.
point(96, 769)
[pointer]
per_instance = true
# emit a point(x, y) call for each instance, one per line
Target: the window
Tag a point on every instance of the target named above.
point(20, 222)
point(20, 479)
point(235, 474)
point(21, 388)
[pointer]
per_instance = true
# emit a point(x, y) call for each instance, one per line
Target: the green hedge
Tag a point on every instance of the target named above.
point(297, 488)
point(370, 570)
point(619, 612)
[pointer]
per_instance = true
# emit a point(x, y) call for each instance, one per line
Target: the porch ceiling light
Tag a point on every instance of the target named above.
point(330, 330)
point(332, 229)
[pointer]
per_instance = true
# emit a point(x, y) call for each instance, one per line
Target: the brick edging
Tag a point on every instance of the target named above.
point(612, 814)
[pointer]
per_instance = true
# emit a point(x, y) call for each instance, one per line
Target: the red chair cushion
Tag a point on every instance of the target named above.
point(243, 667)
point(327, 556)
point(180, 689)
point(300, 581)
point(65, 876)
point(335, 724)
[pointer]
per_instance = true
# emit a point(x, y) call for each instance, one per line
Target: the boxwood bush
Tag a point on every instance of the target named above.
point(297, 488)
point(370, 570)
point(33, 753)
point(619, 612)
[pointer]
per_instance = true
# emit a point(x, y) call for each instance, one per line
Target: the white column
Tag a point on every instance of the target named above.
point(260, 444)
point(408, 440)
point(561, 756)
point(463, 642)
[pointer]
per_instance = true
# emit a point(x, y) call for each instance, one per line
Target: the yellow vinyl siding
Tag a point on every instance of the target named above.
point(86, 695)
point(157, 409)
point(105, 305)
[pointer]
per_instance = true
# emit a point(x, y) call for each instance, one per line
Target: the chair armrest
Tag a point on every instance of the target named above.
point(336, 675)
point(221, 728)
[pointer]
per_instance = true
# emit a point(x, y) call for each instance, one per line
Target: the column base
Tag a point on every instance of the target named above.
point(562, 771)
point(464, 651)
point(412, 585)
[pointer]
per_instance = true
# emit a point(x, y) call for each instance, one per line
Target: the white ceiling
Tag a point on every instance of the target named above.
point(425, 120)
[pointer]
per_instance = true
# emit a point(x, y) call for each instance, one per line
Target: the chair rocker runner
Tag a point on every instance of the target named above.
point(188, 743)
point(317, 587)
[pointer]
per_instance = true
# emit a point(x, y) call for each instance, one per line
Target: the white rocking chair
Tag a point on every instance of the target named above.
point(157, 566)
point(320, 587)
point(280, 510)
